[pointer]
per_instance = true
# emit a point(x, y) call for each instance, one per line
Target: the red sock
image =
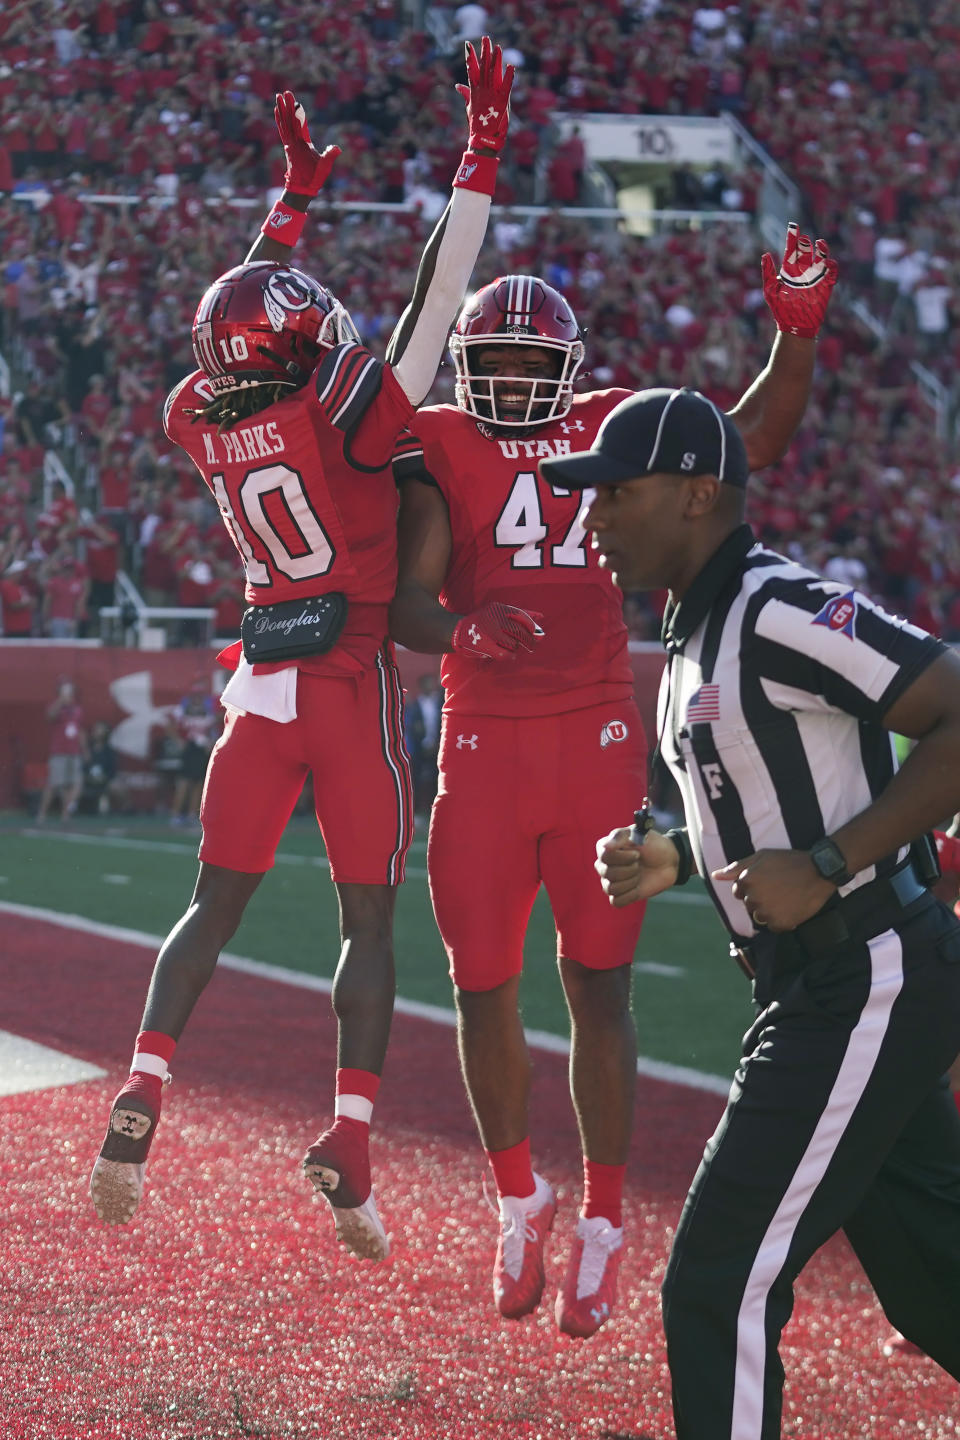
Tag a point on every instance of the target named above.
point(152, 1054)
point(356, 1092)
point(603, 1191)
point(512, 1170)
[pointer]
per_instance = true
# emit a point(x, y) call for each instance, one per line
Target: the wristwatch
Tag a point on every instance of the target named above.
point(829, 861)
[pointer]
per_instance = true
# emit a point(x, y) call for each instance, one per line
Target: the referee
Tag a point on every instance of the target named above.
point(776, 707)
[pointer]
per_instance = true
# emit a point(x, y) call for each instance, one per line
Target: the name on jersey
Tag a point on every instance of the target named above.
point(246, 442)
point(533, 449)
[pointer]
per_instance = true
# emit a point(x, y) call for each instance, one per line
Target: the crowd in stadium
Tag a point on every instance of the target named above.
point(97, 299)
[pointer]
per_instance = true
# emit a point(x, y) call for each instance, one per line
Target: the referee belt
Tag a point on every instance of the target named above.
point(859, 916)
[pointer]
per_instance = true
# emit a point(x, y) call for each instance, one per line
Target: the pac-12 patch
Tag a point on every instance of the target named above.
point(839, 613)
point(612, 733)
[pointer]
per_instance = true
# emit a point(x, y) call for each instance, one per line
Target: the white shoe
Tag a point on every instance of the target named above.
point(361, 1230)
point(589, 1290)
point(518, 1276)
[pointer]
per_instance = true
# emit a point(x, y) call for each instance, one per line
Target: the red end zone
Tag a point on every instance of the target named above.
point(225, 1309)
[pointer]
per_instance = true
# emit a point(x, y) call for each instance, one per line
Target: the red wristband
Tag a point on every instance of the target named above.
point(477, 172)
point(283, 224)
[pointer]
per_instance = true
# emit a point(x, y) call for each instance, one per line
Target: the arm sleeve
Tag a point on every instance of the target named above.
point(362, 397)
point(417, 344)
point(409, 461)
point(822, 647)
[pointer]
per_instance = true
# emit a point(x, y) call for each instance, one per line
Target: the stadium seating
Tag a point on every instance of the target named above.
point(97, 298)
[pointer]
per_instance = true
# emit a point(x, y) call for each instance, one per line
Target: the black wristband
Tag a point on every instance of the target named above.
point(681, 841)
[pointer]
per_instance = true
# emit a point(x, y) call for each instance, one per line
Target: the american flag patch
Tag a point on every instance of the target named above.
point(704, 705)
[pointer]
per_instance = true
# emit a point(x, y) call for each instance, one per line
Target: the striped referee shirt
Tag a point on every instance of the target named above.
point(771, 708)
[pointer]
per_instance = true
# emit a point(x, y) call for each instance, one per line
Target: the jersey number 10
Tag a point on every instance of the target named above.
point(315, 552)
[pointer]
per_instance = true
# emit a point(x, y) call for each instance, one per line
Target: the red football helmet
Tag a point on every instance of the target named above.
point(265, 324)
point(516, 310)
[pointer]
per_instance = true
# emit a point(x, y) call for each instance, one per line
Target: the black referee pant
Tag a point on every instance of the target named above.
point(838, 1117)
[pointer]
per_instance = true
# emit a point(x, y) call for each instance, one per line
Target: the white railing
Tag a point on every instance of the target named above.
point(779, 200)
point(117, 621)
point(408, 207)
point(53, 470)
point(935, 393)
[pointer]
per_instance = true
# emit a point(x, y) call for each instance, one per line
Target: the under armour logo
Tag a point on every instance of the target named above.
point(601, 1312)
point(566, 427)
point(133, 693)
point(465, 741)
point(475, 636)
point(491, 114)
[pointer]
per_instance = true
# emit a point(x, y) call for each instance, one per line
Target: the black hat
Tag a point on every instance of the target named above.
point(668, 432)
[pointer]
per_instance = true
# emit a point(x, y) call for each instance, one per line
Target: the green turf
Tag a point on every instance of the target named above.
point(139, 874)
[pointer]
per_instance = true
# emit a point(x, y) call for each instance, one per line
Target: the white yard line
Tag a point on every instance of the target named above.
point(26, 1066)
point(540, 1039)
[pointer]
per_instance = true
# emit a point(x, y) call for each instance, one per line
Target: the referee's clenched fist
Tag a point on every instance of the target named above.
point(630, 871)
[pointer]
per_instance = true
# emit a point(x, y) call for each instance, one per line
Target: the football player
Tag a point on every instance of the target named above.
point(292, 423)
point(541, 737)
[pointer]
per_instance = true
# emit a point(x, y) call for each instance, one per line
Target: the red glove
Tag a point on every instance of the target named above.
point(487, 96)
point(496, 631)
point(799, 294)
point(307, 170)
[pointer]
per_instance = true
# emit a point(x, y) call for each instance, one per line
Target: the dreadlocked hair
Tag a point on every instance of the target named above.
point(225, 411)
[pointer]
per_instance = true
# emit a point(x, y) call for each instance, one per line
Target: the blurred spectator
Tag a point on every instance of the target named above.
point(17, 602)
point(685, 189)
point(102, 545)
point(198, 721)
point(99, 795)
point(931, 298)
point(66, 583)
point(471, 22)
point(65, 759)
point(422, 734)
point(167, 760)
point(847, 566)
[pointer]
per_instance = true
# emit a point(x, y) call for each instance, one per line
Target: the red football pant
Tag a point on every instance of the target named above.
point(349, 735)
point(523, 802)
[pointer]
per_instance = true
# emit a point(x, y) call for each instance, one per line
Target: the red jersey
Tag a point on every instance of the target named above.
point(306, 490)
point(66, 590)
point(518, 539)
point(67, 737)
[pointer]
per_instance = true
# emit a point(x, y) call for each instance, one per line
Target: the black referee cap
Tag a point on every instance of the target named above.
point(656, 432)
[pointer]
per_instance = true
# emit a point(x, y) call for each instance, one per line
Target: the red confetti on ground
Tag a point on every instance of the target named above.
point(226, 1310)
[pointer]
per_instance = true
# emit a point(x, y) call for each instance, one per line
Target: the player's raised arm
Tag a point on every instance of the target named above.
point(798, 295)
point(417, 344)
point(308, 170)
